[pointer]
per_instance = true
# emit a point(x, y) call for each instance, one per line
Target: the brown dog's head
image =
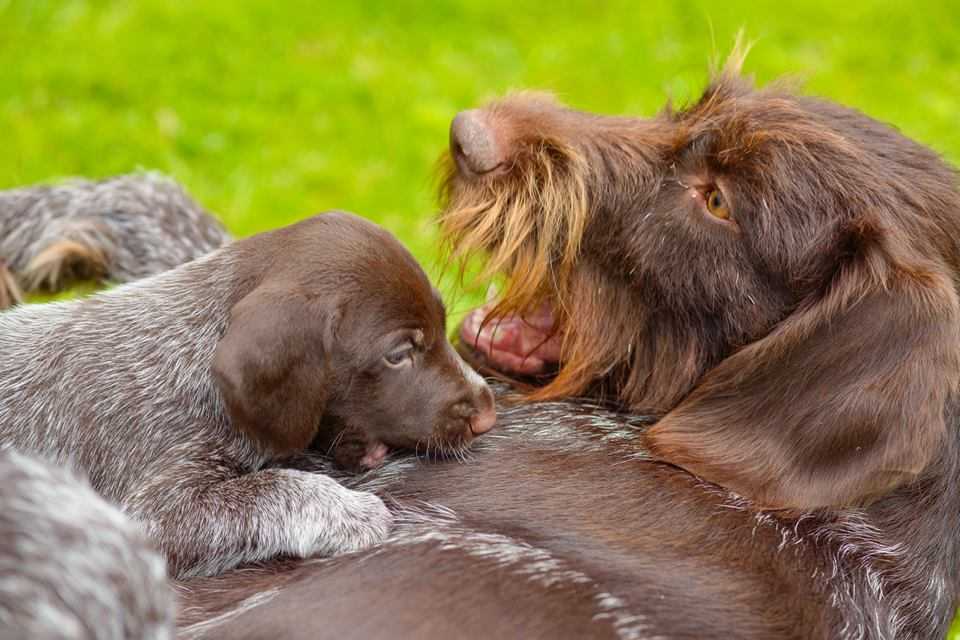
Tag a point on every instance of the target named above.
point(339, 328)
point(774, 275)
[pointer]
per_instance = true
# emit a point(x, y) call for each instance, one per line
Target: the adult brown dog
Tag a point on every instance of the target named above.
point(773, 278)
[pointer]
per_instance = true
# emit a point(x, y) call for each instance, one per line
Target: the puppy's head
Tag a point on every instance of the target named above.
point(340, 335)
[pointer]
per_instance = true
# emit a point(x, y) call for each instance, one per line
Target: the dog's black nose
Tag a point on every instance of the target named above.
point(473, 143)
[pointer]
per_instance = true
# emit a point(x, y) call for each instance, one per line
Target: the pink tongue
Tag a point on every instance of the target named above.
point(513, 344)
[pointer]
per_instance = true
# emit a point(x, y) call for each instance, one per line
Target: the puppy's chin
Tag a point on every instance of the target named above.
point(356, 452)
point(375, 455)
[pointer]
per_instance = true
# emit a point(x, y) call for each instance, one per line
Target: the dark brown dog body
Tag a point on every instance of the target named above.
point(770, 278)
point(562, 527)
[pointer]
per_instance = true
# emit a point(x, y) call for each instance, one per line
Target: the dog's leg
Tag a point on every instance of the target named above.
point(209, 527)
point(115, 230)
point(9, 289)
point(71, 250)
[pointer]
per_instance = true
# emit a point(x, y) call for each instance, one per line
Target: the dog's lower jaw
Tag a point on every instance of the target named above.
point(524, 345)
point(375, 455)
point(354, 450)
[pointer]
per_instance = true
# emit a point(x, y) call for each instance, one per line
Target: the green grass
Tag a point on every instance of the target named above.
point(268, 111)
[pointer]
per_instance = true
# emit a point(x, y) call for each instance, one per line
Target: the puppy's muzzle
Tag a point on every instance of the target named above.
point(482, 412)
point(486, 416)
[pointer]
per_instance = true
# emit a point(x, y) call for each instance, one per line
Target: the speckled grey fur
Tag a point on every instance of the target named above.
point(118, 230)
point(72, 567)
point(119, 385)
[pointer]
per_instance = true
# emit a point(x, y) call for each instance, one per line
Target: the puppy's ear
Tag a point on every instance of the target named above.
point(271, 367)
point(843, 401)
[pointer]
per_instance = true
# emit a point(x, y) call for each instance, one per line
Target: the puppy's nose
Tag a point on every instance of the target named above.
point(473, 143)
point(486, 416)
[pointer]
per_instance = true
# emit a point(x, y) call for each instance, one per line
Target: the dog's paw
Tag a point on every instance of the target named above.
point(366, 523)
point(347, 520)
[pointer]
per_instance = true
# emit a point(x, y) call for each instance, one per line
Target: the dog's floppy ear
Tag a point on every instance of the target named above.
point(271, 367)
point(841, 402)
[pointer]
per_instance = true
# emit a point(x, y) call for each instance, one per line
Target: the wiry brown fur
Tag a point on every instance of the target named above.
point(755, 341)
point(528, 221)
point(802, 359)
point(548, 177)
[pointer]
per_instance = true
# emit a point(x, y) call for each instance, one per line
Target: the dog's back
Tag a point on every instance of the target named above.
point(99, 381)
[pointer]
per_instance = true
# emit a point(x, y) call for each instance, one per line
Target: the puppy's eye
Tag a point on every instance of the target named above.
point(717, 204)
point(400, 357)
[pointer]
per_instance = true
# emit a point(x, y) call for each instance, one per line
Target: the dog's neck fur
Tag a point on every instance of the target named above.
point(902, 542)
point(171, 333)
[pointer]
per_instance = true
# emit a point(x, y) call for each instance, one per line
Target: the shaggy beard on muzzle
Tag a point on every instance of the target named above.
point(527, 225)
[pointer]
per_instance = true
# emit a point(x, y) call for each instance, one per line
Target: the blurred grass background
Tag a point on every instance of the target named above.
point(268, 111)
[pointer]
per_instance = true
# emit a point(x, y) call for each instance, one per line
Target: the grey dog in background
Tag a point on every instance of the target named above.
point(117, 230)
point(72, 566)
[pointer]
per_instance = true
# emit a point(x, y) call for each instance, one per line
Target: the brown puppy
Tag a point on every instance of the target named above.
point(384, 374)
point(774, 277)
point(178, 394)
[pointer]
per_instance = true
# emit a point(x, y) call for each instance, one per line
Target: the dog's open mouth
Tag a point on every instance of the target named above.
point(526, 224)
point(526, 345)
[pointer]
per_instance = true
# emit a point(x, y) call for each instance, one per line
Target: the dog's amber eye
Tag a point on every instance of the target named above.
point(400, 356)
point(716, 204)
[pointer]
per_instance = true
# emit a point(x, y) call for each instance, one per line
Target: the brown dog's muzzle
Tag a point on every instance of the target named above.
point(473, 144)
